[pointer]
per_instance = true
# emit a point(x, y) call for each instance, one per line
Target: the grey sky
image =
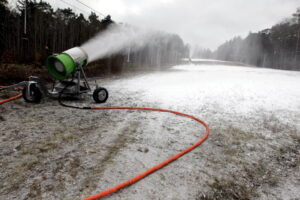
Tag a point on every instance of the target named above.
point(207, 23)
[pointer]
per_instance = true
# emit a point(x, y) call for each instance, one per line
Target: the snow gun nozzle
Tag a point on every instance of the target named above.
point(62, 65)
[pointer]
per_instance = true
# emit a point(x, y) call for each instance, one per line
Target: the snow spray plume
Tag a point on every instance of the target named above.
point(118, 38)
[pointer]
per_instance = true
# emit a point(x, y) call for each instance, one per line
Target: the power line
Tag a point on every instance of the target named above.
point(74, 6)
point(82, 9)
point(90, 8)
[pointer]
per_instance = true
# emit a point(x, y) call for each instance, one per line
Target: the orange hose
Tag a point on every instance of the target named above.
point(157, 167)
point(151, 170)
point(11, 98)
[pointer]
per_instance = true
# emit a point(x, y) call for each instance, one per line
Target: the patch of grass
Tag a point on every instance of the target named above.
point(260, 173)
point(14, 183)
point(289, 156)
point(228, 189)
point(241, 185)
point(35, 190)
point(296, 137)
point(231, 152)
point(243, 181)
point(39, 147)
point(18, 175)
point(272, 123)
point(75, 163)
point(2, 119)
point(234, 135)
point(28, 162)
point(63, 136)
point(43, 148)
point(5, 94)
point(120, 142)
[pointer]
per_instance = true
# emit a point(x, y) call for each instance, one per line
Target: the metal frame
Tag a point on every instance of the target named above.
point(76, 88)
point(79, 86)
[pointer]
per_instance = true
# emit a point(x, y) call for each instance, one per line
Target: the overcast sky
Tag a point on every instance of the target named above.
point(207, 23)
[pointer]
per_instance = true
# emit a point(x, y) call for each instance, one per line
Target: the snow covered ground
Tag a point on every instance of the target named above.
point(51, 152)
point(201, 60)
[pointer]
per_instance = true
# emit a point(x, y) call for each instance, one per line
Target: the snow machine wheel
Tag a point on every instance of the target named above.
point(34, 95)
point(100, 95)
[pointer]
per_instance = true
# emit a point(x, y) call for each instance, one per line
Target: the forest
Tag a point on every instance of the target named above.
point(32, 30)
point(276, 47)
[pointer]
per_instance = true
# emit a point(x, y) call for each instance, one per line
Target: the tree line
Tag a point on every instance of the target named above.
point(277, 47)
point(34, 29)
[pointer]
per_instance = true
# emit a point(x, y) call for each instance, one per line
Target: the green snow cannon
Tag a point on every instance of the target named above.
point(61, 66)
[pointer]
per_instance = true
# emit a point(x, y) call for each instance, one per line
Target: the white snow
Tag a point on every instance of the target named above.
point(256, 108)
point(201, 60)
point(51, 152)
point(234, 89)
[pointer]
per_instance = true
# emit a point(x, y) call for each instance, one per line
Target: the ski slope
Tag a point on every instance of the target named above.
point(234, 89)
point(253, 152)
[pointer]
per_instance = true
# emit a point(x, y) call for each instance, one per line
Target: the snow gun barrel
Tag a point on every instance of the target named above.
point(62, 65)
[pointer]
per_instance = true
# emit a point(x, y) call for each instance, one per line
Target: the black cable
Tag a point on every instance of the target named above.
point(84, 11)
point(90, 8)
point(61, 93)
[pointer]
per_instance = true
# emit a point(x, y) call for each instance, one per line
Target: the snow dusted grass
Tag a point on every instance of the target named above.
point(50, 152)
point(254, 114)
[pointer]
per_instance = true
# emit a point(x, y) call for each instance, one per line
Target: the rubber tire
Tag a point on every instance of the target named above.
point(36, 94)
point(96, 96)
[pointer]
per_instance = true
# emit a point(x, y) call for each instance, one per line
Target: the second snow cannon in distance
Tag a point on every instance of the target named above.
point(70, 79)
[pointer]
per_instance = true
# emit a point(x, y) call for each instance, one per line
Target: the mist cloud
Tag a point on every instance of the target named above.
point(203, 22)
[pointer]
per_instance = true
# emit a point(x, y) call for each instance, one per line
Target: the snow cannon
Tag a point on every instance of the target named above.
point(61, 66)
point(69, 79)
